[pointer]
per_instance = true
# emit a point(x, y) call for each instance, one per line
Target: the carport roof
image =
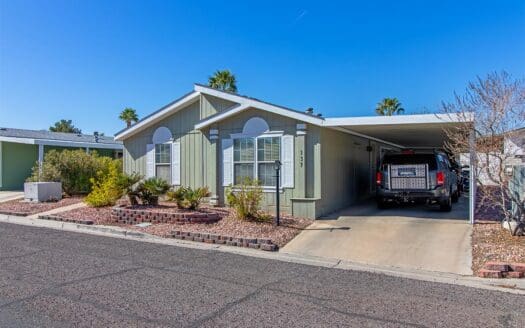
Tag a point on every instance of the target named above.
point(406, 131)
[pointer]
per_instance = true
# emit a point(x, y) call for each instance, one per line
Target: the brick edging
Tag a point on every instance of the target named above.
point(502, 270)
point(62, 219)
point(133, 216)
point(264, 244)
point(14, 213)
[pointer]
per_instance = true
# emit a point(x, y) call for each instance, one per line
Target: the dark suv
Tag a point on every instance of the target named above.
point(410, 177)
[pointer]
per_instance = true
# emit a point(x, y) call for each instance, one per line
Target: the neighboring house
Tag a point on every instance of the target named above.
point(513, 147)
point(21, 149)
point(214, 138)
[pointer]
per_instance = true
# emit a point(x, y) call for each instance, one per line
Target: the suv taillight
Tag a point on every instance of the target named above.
point(379, 177)
point(440, 178)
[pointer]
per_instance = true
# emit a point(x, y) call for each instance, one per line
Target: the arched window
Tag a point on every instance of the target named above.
point(162, 143)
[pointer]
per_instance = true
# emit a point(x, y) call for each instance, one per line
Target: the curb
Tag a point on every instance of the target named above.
point(514, 286)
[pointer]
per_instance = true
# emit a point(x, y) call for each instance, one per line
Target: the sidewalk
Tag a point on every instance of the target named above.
point(515, 286)
point(6, 196)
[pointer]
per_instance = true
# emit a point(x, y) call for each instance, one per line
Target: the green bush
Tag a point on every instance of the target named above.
point(106, 188)
point(245, 199)
point(74, 168)
point(188, 198)
point(128, 184)
point(151, 189)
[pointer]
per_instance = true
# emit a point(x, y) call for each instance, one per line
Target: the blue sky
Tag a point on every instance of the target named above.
point(87, 60)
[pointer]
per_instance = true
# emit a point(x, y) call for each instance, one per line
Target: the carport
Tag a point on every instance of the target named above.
point(413, 237)
point(425, 131)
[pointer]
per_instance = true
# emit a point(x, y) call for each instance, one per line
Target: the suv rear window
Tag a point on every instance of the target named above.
point(429, 159)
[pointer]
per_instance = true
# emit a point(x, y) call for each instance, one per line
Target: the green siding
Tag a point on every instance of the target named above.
point(275, 122)
point(348, 170)
point(332, 169)
point(213, 105)
point(17, 162)
point(194, 147)
point(201, 156)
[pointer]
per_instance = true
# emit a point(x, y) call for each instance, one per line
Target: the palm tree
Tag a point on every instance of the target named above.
point(223, 80)
point(389, 107)
point(129, 115)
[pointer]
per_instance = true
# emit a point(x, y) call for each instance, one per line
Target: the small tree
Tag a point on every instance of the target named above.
point(65, 126)
point(389, 107)
point(491, 111)
point(129, 115)
point(223, 80)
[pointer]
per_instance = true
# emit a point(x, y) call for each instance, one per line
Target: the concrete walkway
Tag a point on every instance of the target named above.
point(6, 196)
point(59, 210)
point(418, 237)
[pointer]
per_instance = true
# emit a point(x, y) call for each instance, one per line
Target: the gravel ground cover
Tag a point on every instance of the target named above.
point(99, 215)
point(22, 207)
point(229, 225)
point(490, 242)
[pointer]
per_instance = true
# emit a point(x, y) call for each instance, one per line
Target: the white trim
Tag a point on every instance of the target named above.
point(40, 158)
point(216, 118)
point(150, 161)
point(162, 135)
point(189, 99)
point(246, 103)
point(367, 137)
point(227, 162)
point(28, 141)
point(278, 134)
point(63, 143)
point(398, 119)
point(175, 163)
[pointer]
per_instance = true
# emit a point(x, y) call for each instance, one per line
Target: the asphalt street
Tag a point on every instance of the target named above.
point(51, 278)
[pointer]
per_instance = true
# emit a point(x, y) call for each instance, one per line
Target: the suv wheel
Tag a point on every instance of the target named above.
point(446, 205)
point(381, 204)
point(455, 197)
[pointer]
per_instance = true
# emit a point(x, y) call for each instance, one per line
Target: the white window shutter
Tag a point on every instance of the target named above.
point(175, 163)
point(150, 160)
point(227, 162)
point(287, 160)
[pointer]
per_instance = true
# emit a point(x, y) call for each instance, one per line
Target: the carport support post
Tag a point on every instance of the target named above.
point(472, 176)
point(40, 158)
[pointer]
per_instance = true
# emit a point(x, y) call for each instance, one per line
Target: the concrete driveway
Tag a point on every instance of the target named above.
point(6, 196)
point(410, 237)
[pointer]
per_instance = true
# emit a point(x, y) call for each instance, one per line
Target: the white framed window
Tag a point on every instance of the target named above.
point(252, 154)
point(254, 158)
point(163, 161)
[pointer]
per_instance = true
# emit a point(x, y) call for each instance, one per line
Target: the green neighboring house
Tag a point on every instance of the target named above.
point(21, 149)
point(214, 138)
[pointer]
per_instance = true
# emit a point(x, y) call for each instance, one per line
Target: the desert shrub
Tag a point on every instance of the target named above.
point(74, 168)
point(106, 188)
point(245, 199)
point(188, 198)
point(151, 189)
point(128, 184)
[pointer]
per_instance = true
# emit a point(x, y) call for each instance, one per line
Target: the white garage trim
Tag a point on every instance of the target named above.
point(399, 119)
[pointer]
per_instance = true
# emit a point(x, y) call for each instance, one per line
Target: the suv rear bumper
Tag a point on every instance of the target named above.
point(439, 194)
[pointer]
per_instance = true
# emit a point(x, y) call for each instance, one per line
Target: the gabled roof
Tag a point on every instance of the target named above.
point(57, 138)
point(246, 102)
point(242, 103)
point(158, 115)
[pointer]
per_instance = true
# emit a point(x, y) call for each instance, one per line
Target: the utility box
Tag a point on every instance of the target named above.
point(42, 191)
